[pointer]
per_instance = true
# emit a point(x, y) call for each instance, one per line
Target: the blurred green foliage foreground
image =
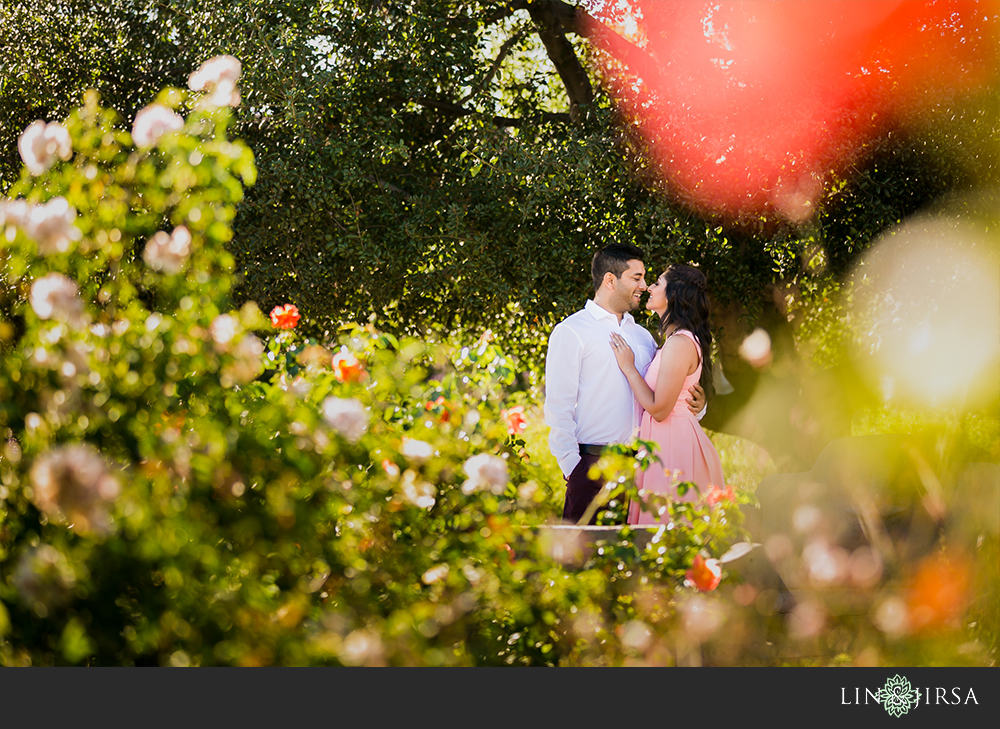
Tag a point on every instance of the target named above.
point(182, 483)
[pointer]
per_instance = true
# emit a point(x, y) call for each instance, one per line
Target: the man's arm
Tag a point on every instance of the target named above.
point(562, 384)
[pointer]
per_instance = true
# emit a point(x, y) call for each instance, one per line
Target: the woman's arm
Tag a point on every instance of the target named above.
point(677, 360)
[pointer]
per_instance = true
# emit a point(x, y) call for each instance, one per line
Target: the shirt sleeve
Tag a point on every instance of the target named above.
point(562, 384)
point(701, 415)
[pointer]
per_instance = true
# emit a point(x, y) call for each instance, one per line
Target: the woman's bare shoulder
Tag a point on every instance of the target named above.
point(681, 346)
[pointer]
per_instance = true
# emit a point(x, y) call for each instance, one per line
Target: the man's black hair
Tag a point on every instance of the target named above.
point(613, 258)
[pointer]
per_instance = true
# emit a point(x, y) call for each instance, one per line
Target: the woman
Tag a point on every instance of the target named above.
point(680, 297)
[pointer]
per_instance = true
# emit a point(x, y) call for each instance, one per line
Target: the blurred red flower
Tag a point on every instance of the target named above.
point(705, 574)
point(938, 593)
point(347, 367)
point(751, 108)
point(440, 404)
point(715, 495)
point(285, 317)
point(510, 552)
point(514, 417)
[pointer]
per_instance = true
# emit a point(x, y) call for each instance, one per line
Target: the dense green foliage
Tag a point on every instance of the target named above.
point(450, 167)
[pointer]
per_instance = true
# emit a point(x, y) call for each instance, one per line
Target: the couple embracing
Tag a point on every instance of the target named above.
point(607, 380)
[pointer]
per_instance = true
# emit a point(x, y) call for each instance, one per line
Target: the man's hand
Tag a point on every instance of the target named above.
point(696, 403)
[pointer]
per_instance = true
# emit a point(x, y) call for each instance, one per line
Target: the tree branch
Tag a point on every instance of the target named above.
point(508, 9)
point(576, 80)
point(504, 50)
point(383, 185)
point(501, 121)
point(562, 18)
point(544, 117)
point(640, 61)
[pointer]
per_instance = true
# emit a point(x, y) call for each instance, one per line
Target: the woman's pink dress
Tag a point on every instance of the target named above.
point(685, 451)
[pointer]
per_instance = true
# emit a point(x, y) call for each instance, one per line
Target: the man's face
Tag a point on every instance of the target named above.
point(629, 288)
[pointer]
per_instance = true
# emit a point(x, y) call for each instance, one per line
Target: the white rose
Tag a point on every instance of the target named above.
point(419, 493)
point(218, 76)
point(168, 253)
point(153, 122)
point(756, 348)
point(416, 450)
point(72, 482)
point(15, 212)
point(247, 362)
point(347, 416)
point(40, 144)
point(435, 574)
point(54, 296)
point(223, 329)
point(51, 226)
point(486, 472)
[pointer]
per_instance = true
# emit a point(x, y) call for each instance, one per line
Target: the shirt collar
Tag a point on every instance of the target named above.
point(599, 312)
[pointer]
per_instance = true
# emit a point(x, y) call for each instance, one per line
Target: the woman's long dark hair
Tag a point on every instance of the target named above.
point(687, 308)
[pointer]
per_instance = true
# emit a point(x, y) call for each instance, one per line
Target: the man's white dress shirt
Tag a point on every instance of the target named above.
point(587, 397)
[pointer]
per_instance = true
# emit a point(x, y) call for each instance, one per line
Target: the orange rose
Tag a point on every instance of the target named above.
point(514, 417)
point(285, 317)
point(705, 573)
point(715, 495)
point(347, 368)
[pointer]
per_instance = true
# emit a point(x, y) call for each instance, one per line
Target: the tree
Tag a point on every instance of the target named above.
point(442, 167)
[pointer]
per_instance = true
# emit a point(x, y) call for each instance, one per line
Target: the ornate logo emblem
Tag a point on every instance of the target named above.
point(897, 696)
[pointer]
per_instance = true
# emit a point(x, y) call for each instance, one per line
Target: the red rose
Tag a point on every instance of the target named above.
point(285, 317)
point(514, 417)
point(705, 573)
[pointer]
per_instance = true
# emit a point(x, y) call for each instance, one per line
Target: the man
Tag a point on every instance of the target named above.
point(588, 401)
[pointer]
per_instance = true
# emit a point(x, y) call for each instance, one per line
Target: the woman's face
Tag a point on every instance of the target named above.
point(657, 300)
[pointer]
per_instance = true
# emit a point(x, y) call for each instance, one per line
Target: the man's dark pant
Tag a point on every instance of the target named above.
point(581, 490)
